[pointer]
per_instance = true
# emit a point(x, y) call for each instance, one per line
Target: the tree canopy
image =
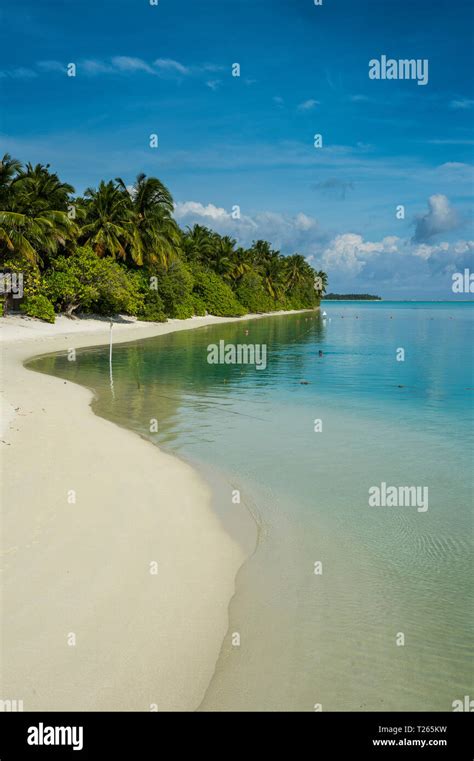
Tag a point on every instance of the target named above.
point(118, 248)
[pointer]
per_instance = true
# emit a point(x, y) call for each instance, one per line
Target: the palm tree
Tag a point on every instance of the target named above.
point(108, 227)
point(32, 236)
point(269, 264)
point(147, 194)
point(34, 222)
point(296, 271)
point(222, 255)
point(9, 168)
point(197, 243)
point(38, 189)
point(260, 250)
point(320, 282)
point(271, 268)
point(152, 205)
point(242, 263)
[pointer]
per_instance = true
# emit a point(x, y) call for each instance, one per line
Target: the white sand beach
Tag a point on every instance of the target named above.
point(82, 571)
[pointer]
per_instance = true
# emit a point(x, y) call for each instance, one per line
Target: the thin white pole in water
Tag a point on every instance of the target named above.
point(110, 361)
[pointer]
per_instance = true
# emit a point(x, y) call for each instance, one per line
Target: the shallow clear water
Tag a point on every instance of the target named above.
point(330, 638)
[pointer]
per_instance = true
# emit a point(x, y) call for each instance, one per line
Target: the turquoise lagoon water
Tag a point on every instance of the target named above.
point(329, 638)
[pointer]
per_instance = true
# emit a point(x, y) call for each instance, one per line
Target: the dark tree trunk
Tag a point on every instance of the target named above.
point(70, 309)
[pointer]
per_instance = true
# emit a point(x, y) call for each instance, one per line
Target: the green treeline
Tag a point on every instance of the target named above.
point(118, 249)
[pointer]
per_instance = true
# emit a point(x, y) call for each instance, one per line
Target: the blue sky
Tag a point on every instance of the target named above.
point(249, 140)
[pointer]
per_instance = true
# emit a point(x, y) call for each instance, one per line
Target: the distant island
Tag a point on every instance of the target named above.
point(351, 297)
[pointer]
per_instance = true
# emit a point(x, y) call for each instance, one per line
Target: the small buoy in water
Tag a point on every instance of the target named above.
point(324, 314)
point(399, 386)
point(304, 382)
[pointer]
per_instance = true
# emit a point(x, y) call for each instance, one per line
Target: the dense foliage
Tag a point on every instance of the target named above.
point(118, 249)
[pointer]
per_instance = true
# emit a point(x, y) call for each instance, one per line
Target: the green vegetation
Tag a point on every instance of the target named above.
point(118, 249)
point(38, 306)
point(215, 293)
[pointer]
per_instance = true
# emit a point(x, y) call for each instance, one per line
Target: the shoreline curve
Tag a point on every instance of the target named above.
point(117, 572)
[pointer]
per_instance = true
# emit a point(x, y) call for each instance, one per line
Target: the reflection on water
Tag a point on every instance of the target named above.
point(328, 638)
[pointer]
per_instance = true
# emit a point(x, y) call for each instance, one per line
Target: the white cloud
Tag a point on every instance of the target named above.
point(19, 73)
point(125, 63)
point(211, 67)
point(168, 64)
point(194, 208)
point(440, 218)
point(163, 67)
point(455, 165)
point(463, 246)
point(286, 233)
point(303, 222)
point(52, 66)
point(308, 105)
point(349, 252)
point(424, 251)
point(214, 84)
point(453, 250)
point(354, 264)
point(462, 103)
point(93, 67)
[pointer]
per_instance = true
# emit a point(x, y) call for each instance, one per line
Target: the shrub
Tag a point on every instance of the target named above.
point(174, 286)
point(14, 262)
point(198, 305)
point(38, 306)
point(253, 296)
point(82, 281)
point(118, 290)
point(184, 310)
point(217, 297)
point(301, 297)
point(151, 312)
point(152, 308)
point(68, 290)
point(192, 305)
